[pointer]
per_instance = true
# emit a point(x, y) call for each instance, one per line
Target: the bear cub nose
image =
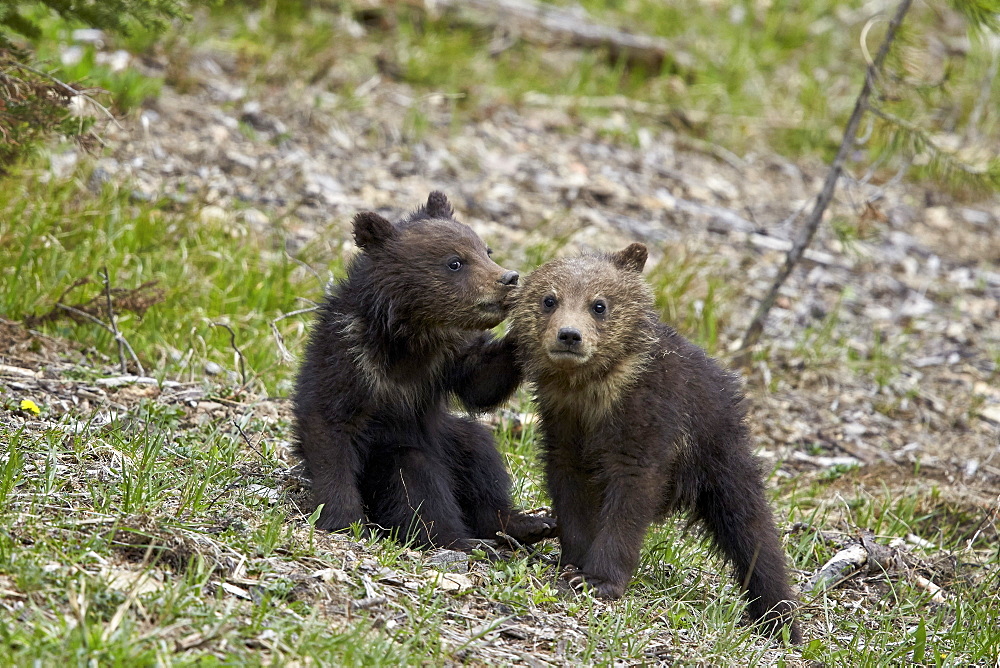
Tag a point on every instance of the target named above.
point(569, 337)
point(509, 278)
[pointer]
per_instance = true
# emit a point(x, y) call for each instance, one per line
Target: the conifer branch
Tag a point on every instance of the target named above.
point(944, 163)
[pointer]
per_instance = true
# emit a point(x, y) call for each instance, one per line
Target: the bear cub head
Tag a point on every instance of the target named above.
point(584, 316)
point(431, 270)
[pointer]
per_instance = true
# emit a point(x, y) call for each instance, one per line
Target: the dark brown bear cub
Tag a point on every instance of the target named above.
point(637, 422)
point(401, 334)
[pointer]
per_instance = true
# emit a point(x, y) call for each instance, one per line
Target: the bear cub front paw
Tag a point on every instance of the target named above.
point(529, 529)
point(600, 587)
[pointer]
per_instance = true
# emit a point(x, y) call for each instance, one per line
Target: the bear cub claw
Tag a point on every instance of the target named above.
point(598, 586)
point(529, 529)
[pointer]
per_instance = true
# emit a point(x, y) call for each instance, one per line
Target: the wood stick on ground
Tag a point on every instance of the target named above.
point(71, 91)
point(547, 24)
point(239, 353)
point(118, 337)
point(805, 235)
point(111, 319)
point(841, 566)
point(279, 339)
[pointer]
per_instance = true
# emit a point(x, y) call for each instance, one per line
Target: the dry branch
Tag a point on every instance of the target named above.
point(286, 356)
point(134, 300)
point(867, 557)
point(548, 24)
point(114, 323)
point(677, 118)
point(805, 235)
point(236, 349)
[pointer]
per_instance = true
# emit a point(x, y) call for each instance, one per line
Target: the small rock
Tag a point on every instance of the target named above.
point(116, 61)
point(455, 582)
point(71, 55)
point(213, 214)
point(254, 218)
point(450, 561)
point(971, 466)
point(89, 36)
point(991, 413)
point(939, 217)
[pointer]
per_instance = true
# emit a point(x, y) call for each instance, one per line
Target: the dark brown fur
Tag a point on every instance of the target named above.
point(399, 336)
point(637, 423)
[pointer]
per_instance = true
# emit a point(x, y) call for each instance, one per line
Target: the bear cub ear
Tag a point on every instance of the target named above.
point(630, 258)
point(438, 206)
point(371, 230)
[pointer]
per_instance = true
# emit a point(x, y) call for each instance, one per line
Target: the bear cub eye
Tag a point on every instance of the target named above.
point(599, 307)
point(549, 302)
point(454, 264)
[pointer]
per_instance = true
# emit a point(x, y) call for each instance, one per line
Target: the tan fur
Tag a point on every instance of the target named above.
point(636, 423)
point(614, 349)
point(598, 398)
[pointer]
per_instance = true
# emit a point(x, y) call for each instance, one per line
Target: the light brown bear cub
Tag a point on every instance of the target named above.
point(637, 422)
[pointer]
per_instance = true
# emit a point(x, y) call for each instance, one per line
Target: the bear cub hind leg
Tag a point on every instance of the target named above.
point(482, 487)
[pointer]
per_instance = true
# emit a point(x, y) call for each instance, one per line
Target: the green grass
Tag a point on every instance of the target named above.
point(51, 234)
point(122, 90)
point(692, 295)
point(161, 491)
point(230, 576)
point(89, 504)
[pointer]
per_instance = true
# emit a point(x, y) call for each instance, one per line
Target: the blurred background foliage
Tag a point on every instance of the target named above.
point(749, 75)
point(35, 99)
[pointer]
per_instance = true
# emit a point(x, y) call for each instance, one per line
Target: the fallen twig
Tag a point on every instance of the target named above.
point(367, 602)
point(937, 594)
point(247, 440)
point(114, 324)
point(239, 353)
point(72, 92)
point(866, 557)
point(117, 335)
point(279, 339)
point(549, 24)
point(677, 116)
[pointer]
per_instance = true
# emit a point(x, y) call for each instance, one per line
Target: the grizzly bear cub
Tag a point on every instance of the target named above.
point(637, 422)
point(400, 335)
